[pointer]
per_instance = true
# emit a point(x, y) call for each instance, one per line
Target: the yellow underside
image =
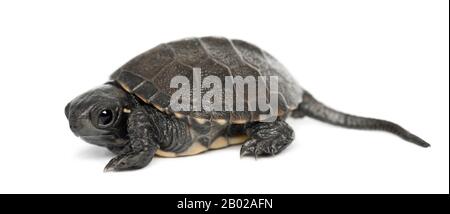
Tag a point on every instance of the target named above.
point(198, 148)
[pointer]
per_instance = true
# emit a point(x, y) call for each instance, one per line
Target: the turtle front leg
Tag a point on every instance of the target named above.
point(267, 138)
point(141, 148)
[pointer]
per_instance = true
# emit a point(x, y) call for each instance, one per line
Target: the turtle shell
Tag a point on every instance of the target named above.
point(149, 74)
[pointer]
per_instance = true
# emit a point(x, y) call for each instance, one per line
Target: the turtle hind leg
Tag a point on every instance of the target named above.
point(267, 138)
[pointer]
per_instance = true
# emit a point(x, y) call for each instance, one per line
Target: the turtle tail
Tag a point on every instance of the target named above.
point(313, 108)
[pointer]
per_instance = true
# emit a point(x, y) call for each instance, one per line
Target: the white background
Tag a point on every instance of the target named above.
point(386, 59)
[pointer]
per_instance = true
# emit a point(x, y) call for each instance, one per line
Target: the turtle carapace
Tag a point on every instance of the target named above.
point(132, 113)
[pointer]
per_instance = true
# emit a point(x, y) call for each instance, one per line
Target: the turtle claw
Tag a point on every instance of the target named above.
point(267, 139)
point(249, 148)
point(252, 148)
point(262, 148)
point(114, 165)
point(242, 153)
point(108, 169)
point(128, 161)
point(245, 152)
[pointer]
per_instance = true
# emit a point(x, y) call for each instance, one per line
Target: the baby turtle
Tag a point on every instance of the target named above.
point(131, 114)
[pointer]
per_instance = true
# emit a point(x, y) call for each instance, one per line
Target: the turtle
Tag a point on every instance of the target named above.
point(132, 114)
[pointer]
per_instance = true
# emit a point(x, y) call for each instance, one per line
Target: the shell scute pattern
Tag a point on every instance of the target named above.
point(148, 75)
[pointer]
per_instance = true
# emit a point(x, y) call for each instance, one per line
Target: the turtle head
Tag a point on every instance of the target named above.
point(99, 115)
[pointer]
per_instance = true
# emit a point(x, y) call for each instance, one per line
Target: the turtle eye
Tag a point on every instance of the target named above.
point(105, 117)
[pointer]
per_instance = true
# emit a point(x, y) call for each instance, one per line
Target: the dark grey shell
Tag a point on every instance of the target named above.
point(148, 75)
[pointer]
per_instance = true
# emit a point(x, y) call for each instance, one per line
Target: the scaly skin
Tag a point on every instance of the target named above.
point(313, 108)
point(267, 138)
point(109, 116)
point(148, 131)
